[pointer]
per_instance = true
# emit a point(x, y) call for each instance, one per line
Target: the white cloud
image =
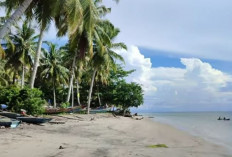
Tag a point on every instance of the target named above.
point(195, 87)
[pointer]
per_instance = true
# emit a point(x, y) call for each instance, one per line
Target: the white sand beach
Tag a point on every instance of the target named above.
point(103, 135)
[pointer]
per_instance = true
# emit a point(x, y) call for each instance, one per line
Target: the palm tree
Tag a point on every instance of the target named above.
point(21, 49)
point(11, 4)
point(79, 39)
point(52, 68)
point(78, 68)
point(79, 22)
point(104, 56)
point(43, 13)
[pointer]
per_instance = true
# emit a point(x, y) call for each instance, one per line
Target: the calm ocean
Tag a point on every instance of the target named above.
point(202, 124)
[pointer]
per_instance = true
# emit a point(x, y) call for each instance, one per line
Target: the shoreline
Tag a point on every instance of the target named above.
point(103, 135)
point(185, 128)
point(206, 139)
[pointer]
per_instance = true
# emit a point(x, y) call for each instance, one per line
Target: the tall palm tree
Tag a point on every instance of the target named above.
point(104, 58)
point(78, 69)
point(53, 69)
point(11, 4)
point(79, 21)
point(21, 49)
point(81, 38)
point(43, 13)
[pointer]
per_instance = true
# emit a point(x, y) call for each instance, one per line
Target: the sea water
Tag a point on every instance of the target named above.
point(202, 124)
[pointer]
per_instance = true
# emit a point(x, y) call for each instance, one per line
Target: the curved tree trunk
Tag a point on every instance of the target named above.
point(71, 77)
point(54, 95)
point(14, 17)
point(36, 60)
point(91, 90)
point(78, 94)
point(22, 78)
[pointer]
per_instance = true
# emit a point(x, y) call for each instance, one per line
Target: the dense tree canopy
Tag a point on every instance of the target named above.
point(83, 72)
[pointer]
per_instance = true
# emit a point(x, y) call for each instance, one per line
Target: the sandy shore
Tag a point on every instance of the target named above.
point(103, 136)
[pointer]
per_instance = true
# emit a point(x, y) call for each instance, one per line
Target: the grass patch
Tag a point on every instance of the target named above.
point(158, 146)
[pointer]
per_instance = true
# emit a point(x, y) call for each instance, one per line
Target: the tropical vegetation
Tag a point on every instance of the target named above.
point(87, 71)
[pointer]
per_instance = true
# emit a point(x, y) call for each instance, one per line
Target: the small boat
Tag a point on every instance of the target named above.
point(63, 110)
point(10, 115)
point(101, 110)
point(57, 110)
point(76, 110)
point(34, 120)
point(226, 119)
point(6, 122)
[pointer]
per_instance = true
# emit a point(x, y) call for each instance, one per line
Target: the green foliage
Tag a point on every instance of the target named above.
point(7, 94)
point(128, 95)
point(28, 99)
point(65, 105)
point(158, 146)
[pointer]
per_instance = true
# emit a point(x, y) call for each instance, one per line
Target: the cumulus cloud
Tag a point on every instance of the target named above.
point(198, 86)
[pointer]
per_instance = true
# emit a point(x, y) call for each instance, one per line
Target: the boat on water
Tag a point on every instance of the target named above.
point(34, 120)
point(226, 119)
point(7, 122)
point(10, 115)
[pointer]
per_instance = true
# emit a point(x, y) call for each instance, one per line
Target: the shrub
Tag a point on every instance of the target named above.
point(28, 99)
point(65, 105)
point(7, 94)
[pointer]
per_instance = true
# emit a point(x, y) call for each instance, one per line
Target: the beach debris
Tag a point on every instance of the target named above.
point(92, 118)
point(61, 147)
point(158, 146)
point(137, 117)
point(151, 117)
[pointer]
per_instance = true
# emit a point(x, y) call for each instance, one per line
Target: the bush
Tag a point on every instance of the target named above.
point(65, 105)
point(7, 94)
point(28, 99)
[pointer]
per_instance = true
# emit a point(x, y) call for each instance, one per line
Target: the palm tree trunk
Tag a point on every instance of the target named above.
point(14, 17)
point(23, 74)
point(72, 96)
point(71, 77)
point(54, 95)
point(99, 99)
point(14, 78)
point(90, 90)
point(36, 60)
point(78, 94)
